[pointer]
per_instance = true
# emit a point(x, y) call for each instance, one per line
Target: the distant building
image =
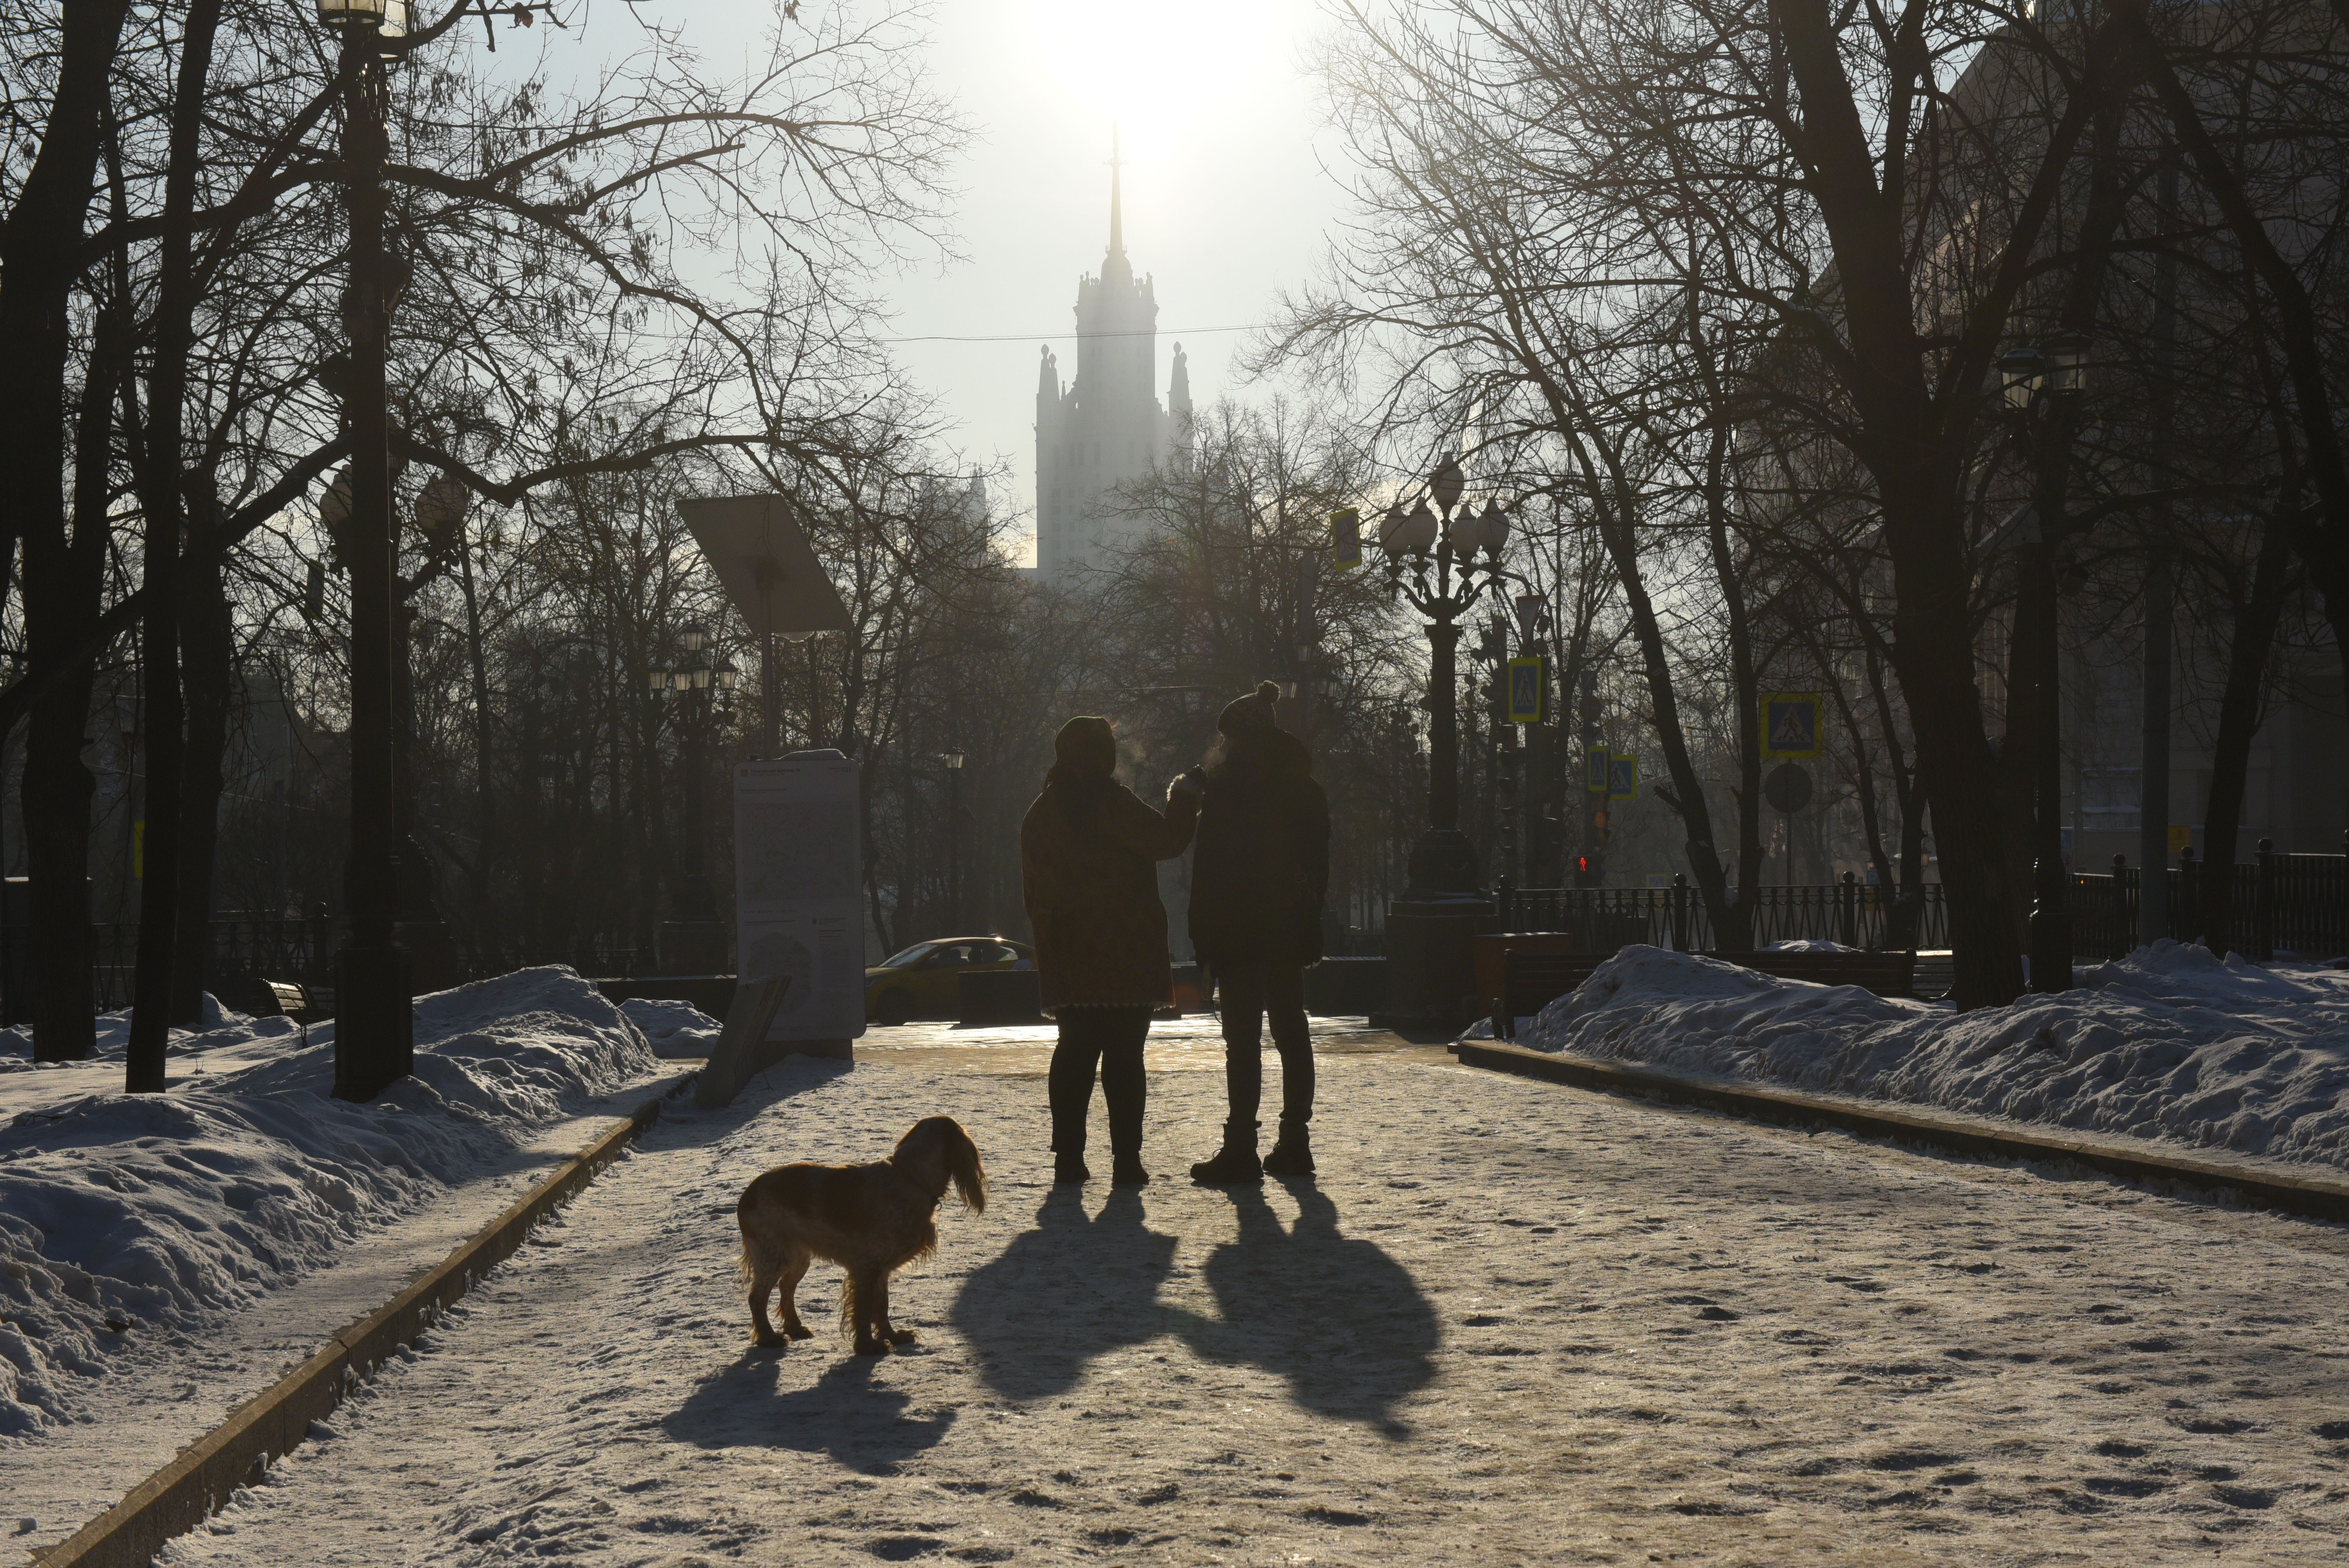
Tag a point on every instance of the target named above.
point(1106, 427)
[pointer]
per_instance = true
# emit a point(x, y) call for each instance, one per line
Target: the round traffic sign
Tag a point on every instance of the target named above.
point(1787, 789)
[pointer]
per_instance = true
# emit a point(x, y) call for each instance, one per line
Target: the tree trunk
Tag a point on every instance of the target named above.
point(39, 258)
point(486, 798)
point(64, 581)
point(160, 497)
point(2256, 623)
point(209, 641)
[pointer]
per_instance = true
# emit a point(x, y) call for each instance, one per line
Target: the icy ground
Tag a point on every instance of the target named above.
point(2168, 1043)
point(162, 1257)
point(1514, 1323)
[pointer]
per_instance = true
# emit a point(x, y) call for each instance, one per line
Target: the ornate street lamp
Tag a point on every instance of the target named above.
point(2039, 394)
point(374, 1027)
point(1442, 565)
point(693, 940)
point(952, 761)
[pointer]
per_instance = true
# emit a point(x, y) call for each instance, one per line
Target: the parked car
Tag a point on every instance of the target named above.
point(924, 980)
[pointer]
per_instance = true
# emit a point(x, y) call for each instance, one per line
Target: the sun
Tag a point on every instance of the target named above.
point(1161, 72)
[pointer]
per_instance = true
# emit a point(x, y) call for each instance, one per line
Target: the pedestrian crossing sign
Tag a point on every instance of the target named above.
point(1346, 537)
point(1597, 771)
point(1623, 776)
point(1790, 724)
point(1526, 689)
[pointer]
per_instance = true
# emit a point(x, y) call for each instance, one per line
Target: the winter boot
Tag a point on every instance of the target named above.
point(1125, 1171)
point(1293, 1154)
point(1236, 1163)
point(1070, 1168)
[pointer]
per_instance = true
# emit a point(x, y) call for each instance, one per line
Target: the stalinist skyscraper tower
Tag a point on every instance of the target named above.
point(1106, 426)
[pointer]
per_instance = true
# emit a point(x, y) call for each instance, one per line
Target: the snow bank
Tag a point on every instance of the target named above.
point(2167, 1043)
point(674, 1028)
point(120, 1212)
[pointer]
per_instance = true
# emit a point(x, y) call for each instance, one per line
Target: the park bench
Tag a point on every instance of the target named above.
point(303, 1004)
point(1532, 980)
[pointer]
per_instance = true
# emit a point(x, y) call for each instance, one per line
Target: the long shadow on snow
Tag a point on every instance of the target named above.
point(844, 1413)
point(1064, 1292)
point(1343, 1322)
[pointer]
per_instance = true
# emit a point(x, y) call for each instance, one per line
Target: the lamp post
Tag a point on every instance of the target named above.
point(2039, 393)
point(1441, 564)
point(953, 763)
point(375, 1024)
point(693, 942)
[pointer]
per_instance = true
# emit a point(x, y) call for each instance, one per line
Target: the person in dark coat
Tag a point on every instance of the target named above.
point(1257, 878)
point(1089, 849)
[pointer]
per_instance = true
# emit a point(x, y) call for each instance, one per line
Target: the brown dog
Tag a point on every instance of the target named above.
point(871, 1220)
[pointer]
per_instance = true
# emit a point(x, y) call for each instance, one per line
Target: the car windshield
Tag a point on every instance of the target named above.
point(911, 954)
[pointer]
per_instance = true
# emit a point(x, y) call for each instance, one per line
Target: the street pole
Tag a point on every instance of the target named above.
point(1430, 927)
point(954, 760)
point(2045, 388)
point(375, 1024)
point(2160, 590)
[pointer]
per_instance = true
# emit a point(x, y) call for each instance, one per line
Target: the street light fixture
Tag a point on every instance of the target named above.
point(693, 940)
point(1443, 567)
point(953, 760)
point(2040, 393)
point(375, 1019)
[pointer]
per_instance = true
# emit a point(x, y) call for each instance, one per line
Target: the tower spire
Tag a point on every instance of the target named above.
point(1116, 214)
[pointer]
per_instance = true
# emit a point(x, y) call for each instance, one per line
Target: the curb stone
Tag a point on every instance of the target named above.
point(183, 1494)
point(2312, 1197)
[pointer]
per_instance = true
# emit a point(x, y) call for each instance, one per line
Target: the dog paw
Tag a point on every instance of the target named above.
point(800, 1331)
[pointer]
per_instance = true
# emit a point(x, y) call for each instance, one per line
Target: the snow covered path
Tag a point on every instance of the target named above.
point(1514, 1323)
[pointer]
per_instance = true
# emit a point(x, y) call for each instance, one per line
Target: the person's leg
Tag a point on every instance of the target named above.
point(1292, 1036)
point(1070, 1088)
point(1239, 1006)
point(1239, 999)
point(1127, 1089)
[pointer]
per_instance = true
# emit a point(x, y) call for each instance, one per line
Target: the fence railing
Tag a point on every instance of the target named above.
point(247, 949)
point(1850, 913)
point(2281, 905)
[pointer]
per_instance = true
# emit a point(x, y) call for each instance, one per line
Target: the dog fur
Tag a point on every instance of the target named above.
point(872, 1219)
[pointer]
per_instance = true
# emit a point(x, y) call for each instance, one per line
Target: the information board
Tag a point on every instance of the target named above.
point(799, 908)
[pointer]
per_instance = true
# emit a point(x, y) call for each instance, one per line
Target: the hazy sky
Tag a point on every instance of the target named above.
point(1226, 200)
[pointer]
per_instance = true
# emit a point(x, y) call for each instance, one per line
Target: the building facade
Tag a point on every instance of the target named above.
point(1106, 427)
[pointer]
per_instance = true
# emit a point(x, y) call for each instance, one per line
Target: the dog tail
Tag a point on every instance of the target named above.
point(848, 1306)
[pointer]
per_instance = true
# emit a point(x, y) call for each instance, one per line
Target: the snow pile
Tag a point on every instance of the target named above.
point(120, 1212)
point(674, 1028)
point(2167, 1043)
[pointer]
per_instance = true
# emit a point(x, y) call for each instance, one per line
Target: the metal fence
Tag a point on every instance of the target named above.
point(246, 950)
point(1850, 913)
point(2294, 906)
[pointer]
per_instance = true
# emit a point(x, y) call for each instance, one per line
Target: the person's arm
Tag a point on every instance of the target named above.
point(1153, 834)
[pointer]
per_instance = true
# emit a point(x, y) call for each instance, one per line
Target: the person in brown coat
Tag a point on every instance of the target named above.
point(1256, 883)
point(1089, 849)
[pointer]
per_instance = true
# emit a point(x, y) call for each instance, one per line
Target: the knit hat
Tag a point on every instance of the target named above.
point(1086, 744)
point(1253, 711)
